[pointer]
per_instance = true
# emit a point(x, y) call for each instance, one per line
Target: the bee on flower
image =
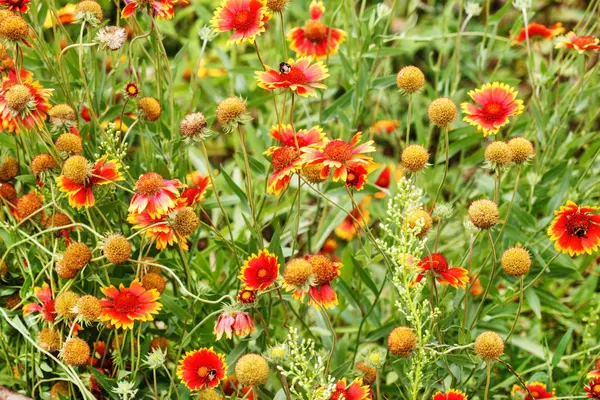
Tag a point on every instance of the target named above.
point(244, 18)
point(202, 368)
point(575, 230)
point(300, 76)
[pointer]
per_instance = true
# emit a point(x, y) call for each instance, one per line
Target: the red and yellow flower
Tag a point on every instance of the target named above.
point(202, 368)
point(238, 323)
point(452, 394)
point(593, 388)
point(538, 31)
point(324, 271)
point(437, 265)
point(356, 390)
point(64, 16)
point(313, 137)
point(44, 295)
point(351, 225)
point(495, 103)
point(286, 161)
point(15, 5)
point(302, 77)
point(580, 43)
point(315, 38)
point(81, 195)
point(163, 9)
point(197, 187)
point(259, 271)
point(246, 18)
point(123, 306)
point(575, 230)
point(154, 194)
point(537, 389)
point(340, 156)
point(385, 126)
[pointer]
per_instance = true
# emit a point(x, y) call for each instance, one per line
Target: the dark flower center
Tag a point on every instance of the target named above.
point(338, 150)
point(243, 20)
point(126, 302)
point(295, 77)
point(315, 31)
point(492, 111)
point(283, 157)
point(578, 224)
point(149, 184)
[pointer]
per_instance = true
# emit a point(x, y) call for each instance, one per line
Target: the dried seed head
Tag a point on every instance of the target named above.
point(149, 108)
point(14, 28)
point(415, 157)
point(153, 280)
point(489, 345)
point(76, 352)
point(230, 109)
point(116, 249)
point(516, 261)
point(522, 149)
point(483, 213)
point(498, 153)
point(251, 370)
point(442, 112)
point(9, 168)
point(76, 169)
point(410, 79)
point(69, 143)
point(42, 162)
point(402, 341)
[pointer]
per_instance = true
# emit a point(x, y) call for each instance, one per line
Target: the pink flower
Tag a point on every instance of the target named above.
point(234, 323)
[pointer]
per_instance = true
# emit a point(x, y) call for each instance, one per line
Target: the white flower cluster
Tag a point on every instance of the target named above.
point(113, 145)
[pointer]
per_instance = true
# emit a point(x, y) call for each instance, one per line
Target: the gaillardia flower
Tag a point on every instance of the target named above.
point(259, 271)
point(437, 265)
point(198, 185)
point(47, 306)
point(239, 323)
point(580, 43)
point(537, 389)
point(495, 103)
point(163, 9)
point(593, 388)
point(15, 5)
point(385, 126)
point(324, 272)
point(123, 306)
point(575, 230)
point(202, 368)
point(315, 38)
point(356, 390)
point(300, 76)
point(286, 161)
point(154, 194)
point(538, 31)
point(246, 18)
point(452, 394)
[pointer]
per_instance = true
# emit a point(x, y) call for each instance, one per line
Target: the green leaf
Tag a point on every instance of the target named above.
point(534, 302)
point(562, 346)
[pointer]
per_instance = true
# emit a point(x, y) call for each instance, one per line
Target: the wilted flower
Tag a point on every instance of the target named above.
point(111, 37)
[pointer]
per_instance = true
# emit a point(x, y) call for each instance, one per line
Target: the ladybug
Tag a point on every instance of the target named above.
point(284, 68)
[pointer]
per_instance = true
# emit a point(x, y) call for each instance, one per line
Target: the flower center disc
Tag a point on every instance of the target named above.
point(583, 41)
point(315, 31)
point(578, 224)
point(262, 273)
point(149, 184)
point(283, 157)
point(338, 150)
point(202, 372)
point(242, 20)
point(126, 302)
point(493, 110)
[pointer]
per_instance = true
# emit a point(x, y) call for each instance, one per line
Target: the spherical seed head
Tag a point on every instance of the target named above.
point(192, 124)
point(208, 394)
point(4, 13)
point(76, 352)
point(8, 192)
point(89, 308)
point(251, 370)
point(442, 112)
point(49, 339)
point(323, 269)
point(499, 153)
point(14, 27)
point(116, 249)
point(417, 215)
point(9, 168)
point(90, 7)
point(29, 204)
point(516, 261)
point(402, 341)
point(297, 272)
point(153, 280)
point(13, 300)
point(149, 108)
point(57, 220)
point(483, 213)
point(159, 342)
point(522, 149)
point(17, 98)
point(64, 304)
point(42, 162)
point(415, 157)
point(76, 169)
point(3, 270)
point(410, 79)
point(312, 173)
point(76, 256)
point(61, 113)
point(185, 222)
point(69, 143)
point(284, 156)
point(59, 389)
point(230, 109)
point(489, 345)
point(277, 5)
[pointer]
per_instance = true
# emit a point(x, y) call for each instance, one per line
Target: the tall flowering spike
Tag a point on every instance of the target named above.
point(202, 368)
point(339, 156)
point(437, 265)
point(154, 194)
point(15, 5)
point(301, 76)
point(163, 9)
point(452, 394)
point(315, 38)
point(538, 31)
point(356, 390)
point(260, 271)
point(575, 230)
point(47, 306)
point(495, 102)
point(123, 306)
point(537, 389)
point(580, 43)
point(245, 18)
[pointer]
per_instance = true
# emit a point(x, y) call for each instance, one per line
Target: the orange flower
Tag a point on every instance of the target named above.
point(259, 271)
point(593, 388)
point(64, 16)
point(537, 389)
point(44, 295)
point(202, 368)
point(438, 266)
point(385, 126)
point(246, 18)
point(315, 38)
point(198, 186)
point(286, 161)
point(324, 272)
point(300, 76)
point(355, 391)
point(538, 31)
point(451, 394)
point(163, 9)
point(496, 102)
point(476, 288)
point(154, 194)
point(313, 137)
point(15, 5)
point(580, 43)
point(124, 306)
point(349, 227)
point(340, 156)
point(575, 230)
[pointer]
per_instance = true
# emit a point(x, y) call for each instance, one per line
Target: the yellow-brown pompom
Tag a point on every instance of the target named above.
point(88, 8)
point(323, 269)
point(75, 257)
point(498, 153)
point(442, 112)
point(42, 162)
point(489, 345)
point(28, 205)
point(185, 222)
point(49, 339)
point(149, 108)
point(522, 149)
point(18, 98)
point(153, 280)
point(415, 157)
point(76, 352)
point(69, 143)
point(116, 249)
point(312, 173)
point(277, 5)
point(76, 169)
point(58, 220)
point(61, 114)
point(516, 261)
point(483, 213)
point(14, 28)
point(8, 192)
point(230, 109)
point(410, 79)
point(65, 302)
point(369, 373)
point(159, 342)
point(192, 124)
point(89, 308)
point(208, 394)
point(9, 168)
point(251, 370)
point(402, 341)
point(297, 272)
point(417, 215)
point(59, 389)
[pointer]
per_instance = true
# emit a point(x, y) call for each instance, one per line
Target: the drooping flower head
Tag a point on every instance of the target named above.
point(163, 9)
point(575, 230)
point(324, 272)
point(154, 194)
point(315, 38)
point(593, 388)
point(47, 306)
point(495, 103)
point(452, 394)
point(537, 389)
point(15, 5)
point(580, 43)
point(245, 18)
point(238, 323)
point(123, 306)
point(260, 271)
point(356, 390)
point(301, 76)
point(540, 31)
point(202, 368)
point(437, 265)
